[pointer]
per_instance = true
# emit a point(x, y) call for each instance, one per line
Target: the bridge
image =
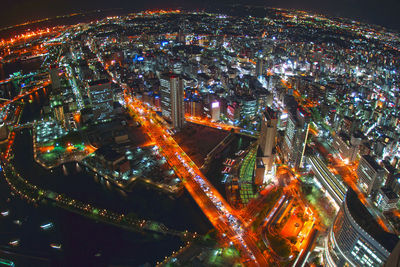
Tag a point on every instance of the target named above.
point(20, 96)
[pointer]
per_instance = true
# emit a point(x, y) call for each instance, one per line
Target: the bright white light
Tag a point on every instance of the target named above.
point(215, 105)
point(284, 116)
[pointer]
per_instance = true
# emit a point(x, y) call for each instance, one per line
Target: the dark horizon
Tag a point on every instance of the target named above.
point(383, 13)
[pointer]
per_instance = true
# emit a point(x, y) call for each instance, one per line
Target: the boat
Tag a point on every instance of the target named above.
point(55, 245)
point(14, 242)
point(47, 226)
point(5, 213)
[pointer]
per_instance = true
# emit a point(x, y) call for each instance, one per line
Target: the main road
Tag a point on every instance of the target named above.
point(228, 223)
point(221, 215)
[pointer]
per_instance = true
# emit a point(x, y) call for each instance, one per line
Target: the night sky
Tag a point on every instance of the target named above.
point(381, 12)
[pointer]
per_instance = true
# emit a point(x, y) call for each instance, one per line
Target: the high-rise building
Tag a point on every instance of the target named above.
point(355, 238)
point(393, 181)
point(215, 111)
point(296, 134)
point(370, 175)
point(172, 106)
point(248, 108)
point(259, 171)
point(55, 78)
point(267, 137)
point(347, 146)
point(259, 66)
point(101, 99)
point(386, 199)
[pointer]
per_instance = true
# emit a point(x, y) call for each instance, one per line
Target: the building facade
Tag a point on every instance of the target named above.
point(370, 175)
point(267, 140)
point(356, 239)
point(101, 99)
point(296, 135)
point(171, 93)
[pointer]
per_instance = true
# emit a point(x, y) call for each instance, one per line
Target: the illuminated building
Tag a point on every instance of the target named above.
point(109, 158)
point(181, 37)
point(171, 93)
point(233, 112)
point(296, 134)
point(349, 125)
point(346, 146)
point(259, 171)
point(248, 109)
point(393, 181)
point(370, 175)
point(57, 107)
point(392, 177)
point(215, 111)
point(194, 108)
point(101, 99)
point(268, 136)
point(386, 199)
point(355, 238)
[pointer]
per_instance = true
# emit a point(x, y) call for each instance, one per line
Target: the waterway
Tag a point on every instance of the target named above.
point(86, 242)
point(25, 66)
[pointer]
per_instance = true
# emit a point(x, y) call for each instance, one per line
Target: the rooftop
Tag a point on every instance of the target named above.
point(108, 153)
point(367, 222)
point(98, 82)
point(371, 161)
point(389, 193)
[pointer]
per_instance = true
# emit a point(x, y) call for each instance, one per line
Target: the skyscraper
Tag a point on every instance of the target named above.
point(296, 134)
point(267, 136)
point(101, 99)
point(347, 146)
point(55, 79)
point(215, 111)
point(171, 92)
point(259, 66)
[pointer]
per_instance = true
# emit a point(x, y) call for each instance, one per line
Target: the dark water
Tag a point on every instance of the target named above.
point(82, 238)
point(147, 203)
point(19, 66)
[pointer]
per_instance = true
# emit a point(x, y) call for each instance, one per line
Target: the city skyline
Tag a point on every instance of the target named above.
point(169, 137)
point(381, 13)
